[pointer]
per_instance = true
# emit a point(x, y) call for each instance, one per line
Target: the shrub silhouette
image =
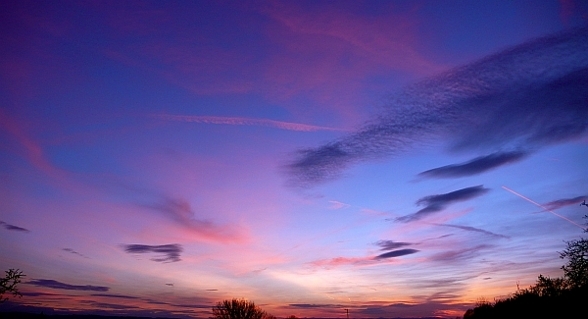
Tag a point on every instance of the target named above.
point(9, 283)
point(238, 309)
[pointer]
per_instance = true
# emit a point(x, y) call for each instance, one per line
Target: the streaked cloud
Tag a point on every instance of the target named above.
point(53, 284)
point(171, 252)
point(13, 227)
point(437, 203)
point(524, 98)
point(473, 229)
point(476, 166)
point(220, 120)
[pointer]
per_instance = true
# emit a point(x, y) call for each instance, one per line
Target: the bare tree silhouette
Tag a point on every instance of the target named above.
point(238, 309)
point(8, 284)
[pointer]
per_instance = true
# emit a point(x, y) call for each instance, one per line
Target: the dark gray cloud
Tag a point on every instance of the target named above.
point(473, 229)
point(556, 204)
point(397, 253)
point(53, 284)
point(436, 203)
point(524, 98)
point(390, 244)
point(171, 252)
point(13, 227)
point(476, 166)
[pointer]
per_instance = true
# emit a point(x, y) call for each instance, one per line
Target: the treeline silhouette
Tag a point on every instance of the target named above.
point(565, 297)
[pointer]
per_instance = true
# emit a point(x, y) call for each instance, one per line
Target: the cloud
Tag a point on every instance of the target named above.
point(69, 250)
point(436, 203)
point(289, 126)
point(524, 98)
point(313, 305)
point(476, 166)
point(338, 205)
point(556, 204)
point(396, 253)
point(181, 212)
point(342, 261)
point(53, 284)
point(171, 252)
point(473, 229)
point(466, 254)
point(115, 296)
point(12, 227)
point(390, 244)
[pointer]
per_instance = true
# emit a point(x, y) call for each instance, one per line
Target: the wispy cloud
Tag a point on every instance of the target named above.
point(474, 229)
point(342, 261)
point(437, 203)
point(220, 120)
point(53, 284)
point(171, 252)
point(476, 166)
point(13, 227)
point(526, 97)
point(397, 253)
point(459, 255)
point(338, 205)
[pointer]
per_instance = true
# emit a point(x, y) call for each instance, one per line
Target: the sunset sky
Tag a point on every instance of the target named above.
point(396, 158)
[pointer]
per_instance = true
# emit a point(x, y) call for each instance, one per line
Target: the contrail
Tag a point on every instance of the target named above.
point(244, 121)
point(545, 208)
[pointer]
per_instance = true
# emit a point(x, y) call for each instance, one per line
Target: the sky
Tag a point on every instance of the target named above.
point(393, 158)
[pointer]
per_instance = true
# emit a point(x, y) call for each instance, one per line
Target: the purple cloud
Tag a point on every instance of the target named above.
point(476, 166)
point(53, 284)
point(556, 204)
point(436, 203)
point(171, 252)
point(396, 253)
point(525, 97)
point(13, 227)
point(390, 244)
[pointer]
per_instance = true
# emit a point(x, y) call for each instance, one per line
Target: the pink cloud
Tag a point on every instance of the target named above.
point(343, 261)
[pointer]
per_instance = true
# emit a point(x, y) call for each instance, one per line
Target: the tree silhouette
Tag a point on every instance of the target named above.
point(238, 309)
point(576, 270)
point(8, 284)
